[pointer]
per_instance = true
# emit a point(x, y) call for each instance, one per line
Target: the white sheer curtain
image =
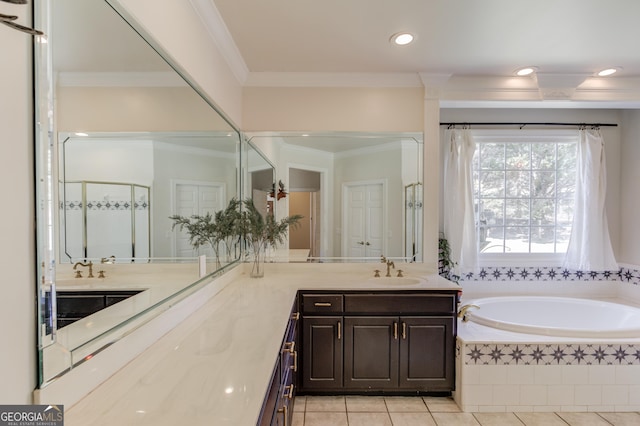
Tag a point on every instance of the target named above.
point(589, 246)
point(459, 216)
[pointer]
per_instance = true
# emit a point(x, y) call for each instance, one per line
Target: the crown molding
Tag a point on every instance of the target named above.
point(221, 36)
point(320, 79)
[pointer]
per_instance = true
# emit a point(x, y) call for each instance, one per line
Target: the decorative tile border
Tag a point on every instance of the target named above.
point(551, 354)
point(105, 205)
point(545, 273)
point(538, 273)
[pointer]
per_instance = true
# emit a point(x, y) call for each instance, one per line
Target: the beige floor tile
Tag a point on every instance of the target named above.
point(405, 404)
point(541, 419)
point(300, 403)
point(455, 419)
point(297, 419)
point(622, 419)
point(498, 419)
point(583, 419)
point(326, 403)
point(441, 405)
point(369, 419)
point(412, 419)
point(371, 404)
point(325, 419)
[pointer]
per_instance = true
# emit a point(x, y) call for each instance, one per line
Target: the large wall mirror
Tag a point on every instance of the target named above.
point(132, 144)
point(360, 193)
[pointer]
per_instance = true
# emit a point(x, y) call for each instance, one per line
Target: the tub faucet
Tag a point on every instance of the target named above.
point(462, 313)
point(79, 273)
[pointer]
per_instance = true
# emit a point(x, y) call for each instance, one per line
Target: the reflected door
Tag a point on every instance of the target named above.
point(196, 199)
point(363, 233)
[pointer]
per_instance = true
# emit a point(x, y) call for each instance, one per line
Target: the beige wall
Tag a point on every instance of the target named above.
point(17, 253)
point(134, 109)
point(179, 32)
point(332, 109)
point(630, 178)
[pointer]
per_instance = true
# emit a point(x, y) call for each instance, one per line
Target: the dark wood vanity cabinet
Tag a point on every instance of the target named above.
point(387, 342)
point(277, 407)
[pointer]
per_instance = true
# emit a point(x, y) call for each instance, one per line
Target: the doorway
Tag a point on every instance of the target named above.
point(364, 219)
point(305, 200)
point(195, 198)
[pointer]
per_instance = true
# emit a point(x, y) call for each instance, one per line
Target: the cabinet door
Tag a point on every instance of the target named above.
point(322, 352)
point(371, 352)
point(427, 353)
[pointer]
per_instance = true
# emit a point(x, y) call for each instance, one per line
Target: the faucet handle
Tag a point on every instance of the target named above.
point(400, 273)
point(377, 273)
point(100, 274)
point(78, 274)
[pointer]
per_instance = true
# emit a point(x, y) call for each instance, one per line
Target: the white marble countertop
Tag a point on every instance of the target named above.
point(214, 367)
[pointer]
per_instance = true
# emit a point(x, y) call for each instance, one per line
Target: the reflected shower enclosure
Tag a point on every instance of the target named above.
point(413, 222)
point(103, 219)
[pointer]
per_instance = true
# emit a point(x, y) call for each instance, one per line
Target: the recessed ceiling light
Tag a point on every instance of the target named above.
point(522, 72)
point(608, 71)
point(402, 39)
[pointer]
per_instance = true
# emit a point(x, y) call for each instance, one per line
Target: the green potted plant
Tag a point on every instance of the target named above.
point(445, 263)
point(214, 230)
point(262, 231)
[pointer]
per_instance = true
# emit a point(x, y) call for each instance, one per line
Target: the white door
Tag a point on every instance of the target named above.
point(195, 199)
point(363, 233)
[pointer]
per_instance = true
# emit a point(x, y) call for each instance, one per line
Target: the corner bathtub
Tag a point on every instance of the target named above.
point(557, 316)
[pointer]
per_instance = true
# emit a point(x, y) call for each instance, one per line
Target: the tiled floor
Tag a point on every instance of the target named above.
point(429, 411)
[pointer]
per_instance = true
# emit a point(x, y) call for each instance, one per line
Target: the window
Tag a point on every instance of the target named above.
point(524, 184)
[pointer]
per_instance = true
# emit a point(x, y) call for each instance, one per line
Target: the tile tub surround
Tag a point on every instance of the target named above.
point(215, 366)
point(501, 371)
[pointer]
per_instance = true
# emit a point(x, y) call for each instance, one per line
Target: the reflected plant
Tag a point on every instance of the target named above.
point(212, 230)
point(262, 231)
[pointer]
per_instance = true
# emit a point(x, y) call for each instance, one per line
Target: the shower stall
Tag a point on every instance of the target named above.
point(103, 219)
point(413, 222)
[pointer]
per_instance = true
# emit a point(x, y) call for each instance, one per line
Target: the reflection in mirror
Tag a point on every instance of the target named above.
point(141, 178)
point(360, 193)
point(132, 144)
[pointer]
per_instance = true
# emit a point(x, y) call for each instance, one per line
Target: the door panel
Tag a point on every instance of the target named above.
point(365, 216)
point(322, 353)
point(196, 199)
point(426, 351)
point(371, 353)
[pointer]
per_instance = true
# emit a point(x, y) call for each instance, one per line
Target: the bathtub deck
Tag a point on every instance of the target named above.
point(503, 371)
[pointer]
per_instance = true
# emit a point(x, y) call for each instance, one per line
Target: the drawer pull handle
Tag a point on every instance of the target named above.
point(404, 330)
point(339, 330)
point(294, 367)
point(295, 316)
point(395, 330)
point(290, 394)
point(289, 347)
point(283, 410)
point(323, 304)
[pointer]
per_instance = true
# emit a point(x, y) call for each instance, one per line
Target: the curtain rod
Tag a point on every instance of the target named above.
point(522, 124)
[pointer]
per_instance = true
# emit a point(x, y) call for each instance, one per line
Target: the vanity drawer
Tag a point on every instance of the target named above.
point(399, 304)
point(318, 303)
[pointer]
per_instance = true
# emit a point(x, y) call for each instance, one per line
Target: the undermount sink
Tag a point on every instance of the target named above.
point(397, 280)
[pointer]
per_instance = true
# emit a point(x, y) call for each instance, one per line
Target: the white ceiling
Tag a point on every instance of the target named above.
point(457, 41)
point(465, 51)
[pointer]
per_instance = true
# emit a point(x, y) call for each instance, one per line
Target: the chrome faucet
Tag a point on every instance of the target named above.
point(79, 273)
point(462, 313)
point(389, 263)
